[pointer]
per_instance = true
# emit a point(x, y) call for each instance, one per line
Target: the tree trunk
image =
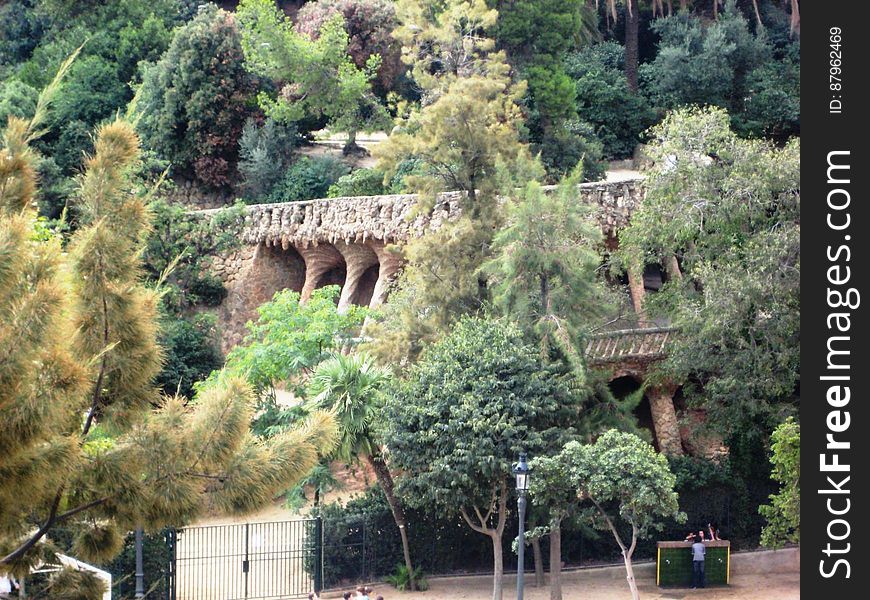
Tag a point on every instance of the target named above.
point(629, 571)
point(632, 49)
point(556, 561)
point(539, 562)
point(636, 288)
point(497, 566)
point(385, 480)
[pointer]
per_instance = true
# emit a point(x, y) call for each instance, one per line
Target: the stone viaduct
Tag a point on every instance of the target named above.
point(347, 241)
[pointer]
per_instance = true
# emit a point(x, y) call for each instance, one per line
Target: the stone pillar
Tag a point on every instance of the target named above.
point(673, 268)
point(389, 266)
point(664, 417)
point(635, 286)
point(358, 258)
point(318, 260)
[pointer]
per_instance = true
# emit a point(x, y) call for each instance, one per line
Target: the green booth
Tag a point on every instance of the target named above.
point(674, 563)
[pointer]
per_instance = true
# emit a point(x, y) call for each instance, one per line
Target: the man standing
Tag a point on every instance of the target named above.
point(698, 552)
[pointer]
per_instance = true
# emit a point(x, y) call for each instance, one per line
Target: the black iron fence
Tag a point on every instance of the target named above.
point(249, 561)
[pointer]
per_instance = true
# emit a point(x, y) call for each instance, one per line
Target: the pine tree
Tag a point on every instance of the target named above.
point(87, 435)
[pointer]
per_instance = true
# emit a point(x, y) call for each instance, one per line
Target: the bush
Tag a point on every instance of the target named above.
point(566, 145)
point(308, 178)
point(17, 99)
point(196, 99)
point(617, 115)
point(369, 25)
point(264, 153)
point(361, 182)
point(191, 353)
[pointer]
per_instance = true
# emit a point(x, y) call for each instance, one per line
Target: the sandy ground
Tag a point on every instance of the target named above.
point(592, 585)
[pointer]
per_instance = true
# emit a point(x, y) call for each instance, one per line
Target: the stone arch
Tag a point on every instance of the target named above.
point(324, 265)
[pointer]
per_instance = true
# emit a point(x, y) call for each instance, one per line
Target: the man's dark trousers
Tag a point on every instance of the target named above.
point(698, 579)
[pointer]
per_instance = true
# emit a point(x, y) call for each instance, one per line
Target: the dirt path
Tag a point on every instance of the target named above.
point(589, 585)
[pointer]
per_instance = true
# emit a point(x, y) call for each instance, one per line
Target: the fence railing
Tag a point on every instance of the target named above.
point(626, 344)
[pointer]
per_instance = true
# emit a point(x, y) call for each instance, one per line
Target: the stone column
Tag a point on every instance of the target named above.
point(318, 260)
point(672, 266)
point(389, 266)
point(635, 286)
point(358, 259)
point(664, 418)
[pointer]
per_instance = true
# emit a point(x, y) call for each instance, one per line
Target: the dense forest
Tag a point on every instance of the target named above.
point(127, 117)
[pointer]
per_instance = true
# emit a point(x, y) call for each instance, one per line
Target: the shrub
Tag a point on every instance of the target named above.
point(361, 182)
point(617, 115)
point(16, 99)
point(566, 145)
point(369, 25)
point(308, 178)
point(191, 353)
point(195, 100)
point(264, 153)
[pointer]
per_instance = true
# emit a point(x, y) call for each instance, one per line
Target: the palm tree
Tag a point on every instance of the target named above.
point(350, 386)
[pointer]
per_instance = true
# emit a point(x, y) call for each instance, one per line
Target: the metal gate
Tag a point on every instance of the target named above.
point(250, 561)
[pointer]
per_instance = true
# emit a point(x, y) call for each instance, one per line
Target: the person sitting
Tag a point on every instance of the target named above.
point(715, 532)
point(346, 596)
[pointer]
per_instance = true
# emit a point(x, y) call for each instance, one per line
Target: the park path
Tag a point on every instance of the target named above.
point(589, 584)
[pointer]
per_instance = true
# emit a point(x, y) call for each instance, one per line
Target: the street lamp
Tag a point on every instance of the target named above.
point(522, 472)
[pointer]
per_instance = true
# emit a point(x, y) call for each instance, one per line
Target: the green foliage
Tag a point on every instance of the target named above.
point(351, 386)
point(476, 399)
point(783, 514)
point(722, 63)
point(73, 584)
point(179, 251)
point(308, 178)
point(16, 99)
point(624, 477)
point(401, 579)
point(729, 209)
point(190, 353)
point(264, 154)
point(195, 100)
point(568, 145)
point(290, 338)
point(369, 25)
point(543, 270)
point(359, 182)
point(317, 77)
point(604, 100)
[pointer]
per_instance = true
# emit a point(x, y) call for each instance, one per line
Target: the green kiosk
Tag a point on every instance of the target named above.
point(674, 563)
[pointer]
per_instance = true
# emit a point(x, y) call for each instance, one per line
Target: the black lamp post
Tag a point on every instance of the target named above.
point(522, 472)
point(140, 572)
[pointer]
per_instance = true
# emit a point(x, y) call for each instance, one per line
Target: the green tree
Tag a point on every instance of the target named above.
point(264, 154)
point(317, 77)
point(557, 495)
point(443, 40)
point(623, 478)
point(195, 100)
point(83, 435)
point(783, 514)
point(476, 399)
point(543, 270)
point(290, 339)
point(728, 209)
point(352, 387)
point(465, 141)
point(604, 100)
point(369, 25)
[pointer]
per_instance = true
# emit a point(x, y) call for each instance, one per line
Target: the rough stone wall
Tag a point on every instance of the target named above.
point(305, 245)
